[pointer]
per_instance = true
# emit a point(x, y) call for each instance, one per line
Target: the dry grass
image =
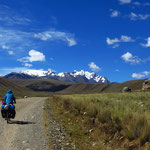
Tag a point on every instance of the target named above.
point(124, 116)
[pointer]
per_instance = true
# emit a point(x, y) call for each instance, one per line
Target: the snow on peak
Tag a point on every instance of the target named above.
point(62, 74)
point(38, 73)
point(87, 74)
point(92, 77)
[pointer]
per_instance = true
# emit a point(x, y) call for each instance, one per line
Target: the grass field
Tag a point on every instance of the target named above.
point(106, 121)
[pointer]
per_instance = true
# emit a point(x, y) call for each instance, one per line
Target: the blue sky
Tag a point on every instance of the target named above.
point(109, 37)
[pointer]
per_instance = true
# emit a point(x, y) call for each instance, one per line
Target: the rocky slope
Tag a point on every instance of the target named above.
point(75, 76)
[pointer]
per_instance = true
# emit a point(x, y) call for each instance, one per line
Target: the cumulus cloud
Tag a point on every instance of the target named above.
point(94, 67)
point(10, 52)
point(114, 13)
point(125, 1)
point(134, 16)
point(141, 75)
point(112, 41)
point(33, 56)
point(147, 44)
point(27, 65)
point(115, 42)
point(129, 58)
point(5, 47)
point(125, 38)
point(57, 35)
point(43, 36)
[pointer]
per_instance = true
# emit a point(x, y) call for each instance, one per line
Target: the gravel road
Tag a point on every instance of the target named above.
point(25, 132)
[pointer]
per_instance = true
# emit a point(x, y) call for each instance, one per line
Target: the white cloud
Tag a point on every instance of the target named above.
point(115, 45)
point(19, 41)
point(129, 58)
point(134, 16)
point(27, 65)
point(114, 13)
point(148, 43)
point(141, 75)
point(10, 17)
point(5, 47)
point(33, 56)
point(94, 67)
point(43, 36)
point(57, 35)
point(136, 3)
point(10, 52)
point(117, 70)
point(16, 40)
point(115, 42)
point(71, 41)
point(141, 4)
point(125, 1)
point(112, 41)
point(125, 38)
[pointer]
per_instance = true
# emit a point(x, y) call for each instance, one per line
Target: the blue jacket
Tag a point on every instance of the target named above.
point(9, 98)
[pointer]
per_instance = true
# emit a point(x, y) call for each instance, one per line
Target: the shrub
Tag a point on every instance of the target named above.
point(67, 103)
point(104, 116)
point(145, 135)
point(77, 107)
point(92, 110)
point(136, 126)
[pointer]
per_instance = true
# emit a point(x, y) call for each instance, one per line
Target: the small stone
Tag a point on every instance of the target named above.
point(74, 146)
point(24, 142)
point(67, 144)
point(93, 144)
point(57, 129)
point(84, 113)
point(91, 130)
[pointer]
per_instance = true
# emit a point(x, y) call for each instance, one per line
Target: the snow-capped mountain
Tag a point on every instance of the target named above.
point(38, 73)
point(75, 76)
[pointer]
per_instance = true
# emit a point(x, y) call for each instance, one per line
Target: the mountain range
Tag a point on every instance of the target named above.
point(75, 76)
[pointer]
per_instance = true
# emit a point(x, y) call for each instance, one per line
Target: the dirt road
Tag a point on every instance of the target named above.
point(26, 131)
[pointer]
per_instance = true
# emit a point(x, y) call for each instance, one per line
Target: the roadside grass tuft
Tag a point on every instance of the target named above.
point(123, 118)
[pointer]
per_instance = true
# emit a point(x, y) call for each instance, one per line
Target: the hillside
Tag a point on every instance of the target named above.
point(19, 91)
point(43, 85)
point(49, 86)
point(135, 85)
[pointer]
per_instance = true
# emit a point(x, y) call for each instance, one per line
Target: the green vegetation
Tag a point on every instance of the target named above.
point(120, 120)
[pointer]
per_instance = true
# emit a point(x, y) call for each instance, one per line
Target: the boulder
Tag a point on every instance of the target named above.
point(146, 85)
point(126, 89)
